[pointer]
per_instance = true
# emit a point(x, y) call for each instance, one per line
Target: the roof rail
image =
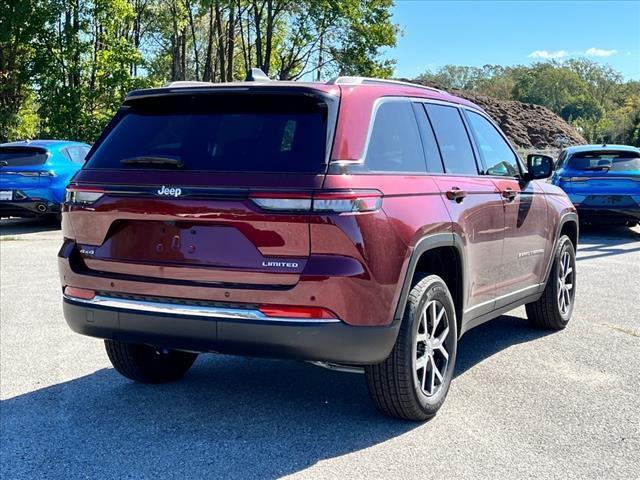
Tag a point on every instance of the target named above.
point(188, 83)
point(374, 81)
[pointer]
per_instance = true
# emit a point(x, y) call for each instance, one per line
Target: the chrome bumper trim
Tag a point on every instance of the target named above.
point(180, 310)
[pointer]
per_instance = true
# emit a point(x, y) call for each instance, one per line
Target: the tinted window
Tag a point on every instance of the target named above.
point(21, 156)
point(234, 133)
point(453, 140)
point(601, 161)
point(497, 156)
point(395, 143)
point(76, 154)
point(431, 152)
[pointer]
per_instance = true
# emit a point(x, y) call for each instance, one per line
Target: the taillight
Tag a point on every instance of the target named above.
point(83, 293)
point(287, 311)
point(347, 202)
point(281, 201)
point(82, 195)
point(574, 179)
point(338, 201)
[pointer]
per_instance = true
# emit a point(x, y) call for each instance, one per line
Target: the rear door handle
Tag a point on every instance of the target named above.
point(509, 194)
point(456, 194)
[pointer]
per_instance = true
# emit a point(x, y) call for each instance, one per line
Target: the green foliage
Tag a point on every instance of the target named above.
point(66, 65)
point(592, 97)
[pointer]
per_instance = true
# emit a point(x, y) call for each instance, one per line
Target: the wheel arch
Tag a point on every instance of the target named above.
point(441, 254)
point(567, 225)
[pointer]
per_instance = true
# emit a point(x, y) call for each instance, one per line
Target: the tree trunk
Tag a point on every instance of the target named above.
point(257, 18)
point(221, 45)
point(207, 74)
point(231, 39)
point(266, 66)
point(187, 4)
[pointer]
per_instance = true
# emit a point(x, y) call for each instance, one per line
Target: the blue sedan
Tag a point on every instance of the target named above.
point(602, 181)
point(34, 175)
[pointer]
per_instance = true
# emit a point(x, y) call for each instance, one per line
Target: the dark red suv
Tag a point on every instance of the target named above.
point(361, 224)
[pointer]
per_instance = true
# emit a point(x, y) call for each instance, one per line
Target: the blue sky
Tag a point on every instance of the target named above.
point(477, 33)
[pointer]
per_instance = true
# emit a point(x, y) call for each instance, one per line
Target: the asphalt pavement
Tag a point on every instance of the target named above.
point(525, 403)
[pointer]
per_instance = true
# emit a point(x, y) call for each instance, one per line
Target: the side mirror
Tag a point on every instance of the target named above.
point(539, 166)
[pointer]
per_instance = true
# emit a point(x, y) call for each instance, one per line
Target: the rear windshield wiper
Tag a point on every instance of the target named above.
point(151, 160)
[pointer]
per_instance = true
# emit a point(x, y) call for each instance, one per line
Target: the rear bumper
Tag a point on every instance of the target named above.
point(607, 214)
point(229, 330)
point(28, 208)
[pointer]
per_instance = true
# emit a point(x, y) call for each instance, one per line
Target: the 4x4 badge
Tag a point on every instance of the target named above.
point(171, 191)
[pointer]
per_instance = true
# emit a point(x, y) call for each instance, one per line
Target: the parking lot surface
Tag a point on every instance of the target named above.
point(525, 403)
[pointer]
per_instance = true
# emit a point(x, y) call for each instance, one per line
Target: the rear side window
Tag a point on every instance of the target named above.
point(395, 144)
point(453, 139)
point(234, 133)
point(497, 156)
point(22, 156)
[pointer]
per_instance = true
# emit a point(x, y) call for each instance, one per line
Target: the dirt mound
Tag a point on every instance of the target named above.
point(528, 126)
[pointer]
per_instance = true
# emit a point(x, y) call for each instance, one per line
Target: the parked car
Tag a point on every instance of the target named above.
point(602, 181)
point(34, 175)
point(361, 224)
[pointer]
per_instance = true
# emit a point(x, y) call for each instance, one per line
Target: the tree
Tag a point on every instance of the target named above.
point(20, 22)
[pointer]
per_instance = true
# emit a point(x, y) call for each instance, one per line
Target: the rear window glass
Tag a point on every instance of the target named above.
point(235, 133)
point(614, 161)
point(21, 156)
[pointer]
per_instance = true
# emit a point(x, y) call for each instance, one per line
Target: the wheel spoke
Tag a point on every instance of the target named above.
point(568, 286)
point(433, 313)
point(436, 370)
point(421, 362)
point(433, 377)
point(443, 351)
point(443, 336)
point(436, 321)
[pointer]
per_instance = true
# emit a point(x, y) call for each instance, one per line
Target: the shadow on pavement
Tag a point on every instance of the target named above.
point(603, 241)
point(492, 337)
point(20, 226)
point(230, 417)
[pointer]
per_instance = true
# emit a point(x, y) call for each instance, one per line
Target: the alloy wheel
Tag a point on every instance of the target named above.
point(566, 277)
point(432, 347)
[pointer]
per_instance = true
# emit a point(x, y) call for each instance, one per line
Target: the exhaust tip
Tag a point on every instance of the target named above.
point(41, 207)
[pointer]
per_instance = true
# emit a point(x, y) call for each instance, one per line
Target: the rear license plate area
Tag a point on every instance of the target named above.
point(609, 201)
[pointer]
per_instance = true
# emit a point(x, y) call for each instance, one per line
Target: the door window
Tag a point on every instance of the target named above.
point(431, 152)
point(453, 140)
point(496, 154)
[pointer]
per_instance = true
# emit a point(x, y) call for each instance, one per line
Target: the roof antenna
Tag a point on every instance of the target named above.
point(256, 75)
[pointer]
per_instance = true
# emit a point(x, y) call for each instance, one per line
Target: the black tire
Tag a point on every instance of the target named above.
point(547, 312)
point(146, 364)
point(395, 385)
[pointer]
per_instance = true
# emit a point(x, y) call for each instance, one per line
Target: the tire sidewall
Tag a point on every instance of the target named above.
point(435, 290)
